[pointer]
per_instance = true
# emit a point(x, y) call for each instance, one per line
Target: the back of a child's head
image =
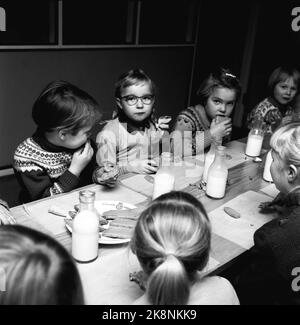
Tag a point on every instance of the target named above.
point(36, 269)
point(133, 77)
point(281, 74)
point(172, 242)
point(221, 78)
point(62, 105)
point(285, 141)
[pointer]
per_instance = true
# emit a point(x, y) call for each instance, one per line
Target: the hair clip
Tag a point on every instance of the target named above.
point(230, 75)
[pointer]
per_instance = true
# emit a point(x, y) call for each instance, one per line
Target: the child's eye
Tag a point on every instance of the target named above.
point(130, 98)
point(147, 99)
point(216, 101)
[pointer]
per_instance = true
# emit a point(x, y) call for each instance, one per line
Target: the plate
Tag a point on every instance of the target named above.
point(103, 206)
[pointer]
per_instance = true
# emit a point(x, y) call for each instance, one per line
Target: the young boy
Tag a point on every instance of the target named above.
point(59, 156)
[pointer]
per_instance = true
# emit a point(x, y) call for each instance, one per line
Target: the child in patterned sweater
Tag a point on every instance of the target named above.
point(59, 156)
point(275, 109)
point(196, 127)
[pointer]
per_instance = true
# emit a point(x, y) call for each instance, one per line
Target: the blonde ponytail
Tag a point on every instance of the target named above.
point(169, 283)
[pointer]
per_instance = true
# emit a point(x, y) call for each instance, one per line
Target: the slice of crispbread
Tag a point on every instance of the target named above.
point(118, 232)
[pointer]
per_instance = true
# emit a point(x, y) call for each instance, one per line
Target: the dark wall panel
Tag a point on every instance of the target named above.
point(25, 73)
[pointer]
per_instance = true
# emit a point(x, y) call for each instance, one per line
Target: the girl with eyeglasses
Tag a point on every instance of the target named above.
point(130, 141)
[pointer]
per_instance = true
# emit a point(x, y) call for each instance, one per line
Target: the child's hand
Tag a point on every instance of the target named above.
point(144, 166)
point(266, 207)
point(107, 174)
point(271, 207)
point(221, 129)
point(81, 158)
point(163, 121)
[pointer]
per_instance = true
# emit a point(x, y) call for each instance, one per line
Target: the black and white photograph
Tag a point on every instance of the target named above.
point(150, 155)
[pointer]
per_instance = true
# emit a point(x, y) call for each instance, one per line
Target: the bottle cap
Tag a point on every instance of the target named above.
point(87, 196)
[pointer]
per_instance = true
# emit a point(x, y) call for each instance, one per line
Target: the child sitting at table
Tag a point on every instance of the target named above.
point(36, 270)
point(272, 269)
point(131, 139)
point(59, 156)
point(276, 108)
point(209, 120)
point(172, 243)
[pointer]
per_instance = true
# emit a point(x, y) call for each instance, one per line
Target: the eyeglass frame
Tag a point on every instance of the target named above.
point(137, 99)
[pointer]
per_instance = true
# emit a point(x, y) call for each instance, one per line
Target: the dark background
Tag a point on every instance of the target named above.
point(177, 43)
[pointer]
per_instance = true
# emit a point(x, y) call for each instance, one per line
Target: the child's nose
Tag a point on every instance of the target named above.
point(139, 103)
point(222, 108)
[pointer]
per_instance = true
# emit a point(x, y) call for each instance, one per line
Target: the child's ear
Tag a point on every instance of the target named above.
point(62, 134)
point(118, 101)
point(292, 173)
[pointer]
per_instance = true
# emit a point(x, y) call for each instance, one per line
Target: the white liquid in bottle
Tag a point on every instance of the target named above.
point(254, 144)
point(216, 185)
point(267, 174)
point(85, 236)
point(163, 183)
point(217, 175)
point(85, 229)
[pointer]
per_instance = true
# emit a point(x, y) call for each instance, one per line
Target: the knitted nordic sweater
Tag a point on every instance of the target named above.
point(41, 169)
point(271, 112)
point(194, 124)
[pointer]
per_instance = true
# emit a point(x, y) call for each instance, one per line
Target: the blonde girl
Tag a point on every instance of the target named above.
point(172, 243)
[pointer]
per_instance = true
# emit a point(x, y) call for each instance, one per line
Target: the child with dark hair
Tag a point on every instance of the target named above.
point(36, 269)
point(131, 139)
point(209, 120)
point(58, 157)
point(172, 243)
point(276, 108)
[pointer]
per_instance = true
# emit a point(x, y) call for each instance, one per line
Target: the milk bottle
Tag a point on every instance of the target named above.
point(209, 158)
point(255, 139)
point(217, 175)
point(85, 232)
point(164, 180)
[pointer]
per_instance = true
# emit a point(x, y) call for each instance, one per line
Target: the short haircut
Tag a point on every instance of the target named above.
point(285, 141)
point(133, 77)
point(37, 269)
point(62, 105)
point(280, 74)
point(221, 78)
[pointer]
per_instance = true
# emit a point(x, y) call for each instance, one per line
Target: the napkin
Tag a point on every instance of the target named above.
point(241, 230)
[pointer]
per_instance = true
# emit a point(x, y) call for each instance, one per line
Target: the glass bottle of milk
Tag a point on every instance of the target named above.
point(209, 158)
point(85, 233)
point(255, 138)
point(217, 175)
point(164, 180)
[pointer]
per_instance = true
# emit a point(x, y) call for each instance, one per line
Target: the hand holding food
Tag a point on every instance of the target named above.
point(107, 174)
